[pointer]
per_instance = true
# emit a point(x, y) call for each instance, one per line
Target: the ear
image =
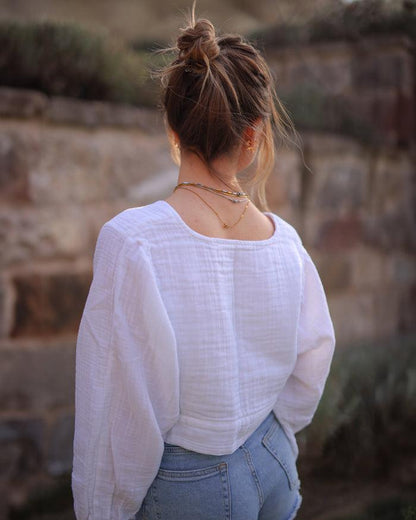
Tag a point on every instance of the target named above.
point(172, 136)
point(174, 145)
point(251, 132)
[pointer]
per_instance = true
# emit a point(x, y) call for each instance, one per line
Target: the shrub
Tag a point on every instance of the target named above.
point(390, 509)
point(53, 500)
point(67, 60)
point(366, 420)
point(361, 18)
point(347, 21)
point(311, 108)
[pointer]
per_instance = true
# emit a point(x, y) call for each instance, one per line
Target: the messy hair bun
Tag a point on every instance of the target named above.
point(216, 87)
point(197, 45)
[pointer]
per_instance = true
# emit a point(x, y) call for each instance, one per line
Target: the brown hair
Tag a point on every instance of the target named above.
point(214, 89)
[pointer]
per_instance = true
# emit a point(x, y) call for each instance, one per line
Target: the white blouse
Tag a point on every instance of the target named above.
point(190, 340)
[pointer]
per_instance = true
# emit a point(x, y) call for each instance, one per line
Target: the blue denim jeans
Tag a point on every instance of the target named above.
point(258, 481)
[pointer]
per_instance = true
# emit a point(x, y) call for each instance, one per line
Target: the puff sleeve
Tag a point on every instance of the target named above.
point(126, 382)
point(299, 398)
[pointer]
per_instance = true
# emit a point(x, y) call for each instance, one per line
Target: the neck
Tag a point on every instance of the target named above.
point(223, 174)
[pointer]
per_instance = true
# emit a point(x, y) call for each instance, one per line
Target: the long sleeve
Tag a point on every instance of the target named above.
point(126, 385)
point(299, 398)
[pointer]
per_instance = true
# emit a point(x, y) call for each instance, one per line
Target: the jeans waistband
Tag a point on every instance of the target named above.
point(263, 426)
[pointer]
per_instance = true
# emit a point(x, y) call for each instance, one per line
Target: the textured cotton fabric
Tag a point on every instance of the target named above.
point(190, 340)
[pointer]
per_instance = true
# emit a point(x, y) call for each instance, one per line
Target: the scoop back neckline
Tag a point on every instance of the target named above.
point(220, 240)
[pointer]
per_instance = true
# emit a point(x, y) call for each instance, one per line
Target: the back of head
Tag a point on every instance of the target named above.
point(214, 89)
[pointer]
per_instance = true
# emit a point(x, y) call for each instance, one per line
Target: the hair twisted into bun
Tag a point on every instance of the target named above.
point(197, 46)
point(214, 89)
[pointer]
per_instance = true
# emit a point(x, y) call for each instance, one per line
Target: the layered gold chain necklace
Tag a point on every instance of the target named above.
point(232, 196)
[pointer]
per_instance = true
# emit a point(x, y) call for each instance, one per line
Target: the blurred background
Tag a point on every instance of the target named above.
point(81, 139)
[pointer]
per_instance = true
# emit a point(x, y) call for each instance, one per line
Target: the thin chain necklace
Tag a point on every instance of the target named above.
point(210, 188)
point(228, 197)
point(224, 225)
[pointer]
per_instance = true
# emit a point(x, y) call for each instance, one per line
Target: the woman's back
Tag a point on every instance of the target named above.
point(191, 340)
point(234, 307)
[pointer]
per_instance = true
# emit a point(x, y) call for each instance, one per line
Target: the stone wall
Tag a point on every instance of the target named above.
point(68, 166)
point(366, 87)
point(65, 168)
point(357, 210)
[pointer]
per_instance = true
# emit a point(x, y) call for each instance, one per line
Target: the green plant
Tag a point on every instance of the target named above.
point(360, 18)
point(67, 60)
point(344, 21)
point(312, 108)
point(392, 509)
point(44, 499)
point(365, 422)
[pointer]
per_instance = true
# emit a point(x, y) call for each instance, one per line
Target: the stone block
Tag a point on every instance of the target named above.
point(390, 231)
point(80, 166)
point(405, 121)
point(340, 234)
point(407, 310)
point(60, 445)
point(387, 309)
point(21, 453)
point(335, 271)
point(37, 378)
point(390, 114)
point(76, 111)
point(49, 304)
point(14, 168)
point(3, 312)
point(389, 187)
point(69, 111)
point(31, 233)
point(25, 103)
point(158, 186)
point(377, 70)
point(390, 218)
point(354, 317)
point(369, 268)
point(401, 269)
point(338, 182)
point(343, 186)
point(333, 71)
point(284, 184)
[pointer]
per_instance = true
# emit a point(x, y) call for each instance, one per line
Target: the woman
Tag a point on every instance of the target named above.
point(206, 339)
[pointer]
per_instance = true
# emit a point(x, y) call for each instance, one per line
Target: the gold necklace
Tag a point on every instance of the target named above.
point(224, 225)
point(199, 185)
point(228, 197)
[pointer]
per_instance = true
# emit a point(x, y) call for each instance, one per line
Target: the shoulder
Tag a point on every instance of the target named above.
point(129, 231)
point(136, 222)
point(287, 232)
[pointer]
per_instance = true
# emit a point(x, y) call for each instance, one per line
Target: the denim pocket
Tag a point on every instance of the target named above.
point(187, 494)
point(277, 443)
point(187, 475)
